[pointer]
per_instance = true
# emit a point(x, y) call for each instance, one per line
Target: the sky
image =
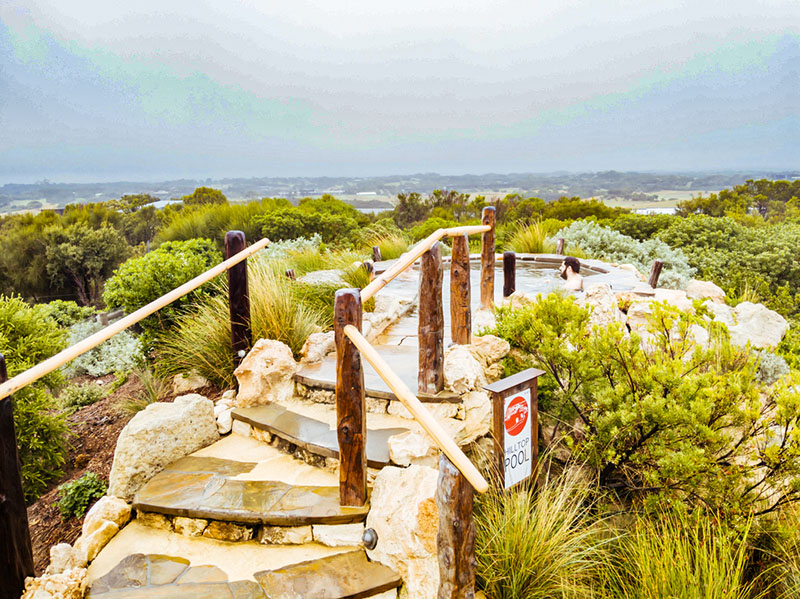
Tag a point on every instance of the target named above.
point(95, 91)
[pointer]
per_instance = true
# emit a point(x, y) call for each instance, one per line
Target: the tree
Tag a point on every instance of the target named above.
point(204, 195)
point(410, 209)
point(83, 257)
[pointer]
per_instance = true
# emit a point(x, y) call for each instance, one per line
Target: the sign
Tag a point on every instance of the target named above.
point(517, 418)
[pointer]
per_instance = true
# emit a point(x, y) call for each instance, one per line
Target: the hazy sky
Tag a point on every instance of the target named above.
point(92, 91)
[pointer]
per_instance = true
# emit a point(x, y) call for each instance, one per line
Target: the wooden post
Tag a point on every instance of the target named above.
point(351, 415)
point(456, 536)
point(431, 322)
point(560, 246)
point(515, 427)
point(460, 311)
point(290, 274)
point(238, 297)
point(509, 273)
point(16, 554)
point(370, 268)
point(655, 272)
point(487, 259)
point(376, 254)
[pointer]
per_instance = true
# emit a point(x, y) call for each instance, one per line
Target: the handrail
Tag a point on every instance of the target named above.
point(414, 253)
point(80, 348)
point(419, 411)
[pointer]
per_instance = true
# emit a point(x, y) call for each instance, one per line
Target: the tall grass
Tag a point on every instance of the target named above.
point(780, 547)
point(681, 557)
point(531, 239)
point(538, 545)
point(392, 245)
point(153, 389)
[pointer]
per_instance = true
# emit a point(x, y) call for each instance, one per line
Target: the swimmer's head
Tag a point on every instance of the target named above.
point(570, 262)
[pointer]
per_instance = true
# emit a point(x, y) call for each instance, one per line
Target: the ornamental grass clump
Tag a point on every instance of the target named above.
point(531, 239)
point(538, 545)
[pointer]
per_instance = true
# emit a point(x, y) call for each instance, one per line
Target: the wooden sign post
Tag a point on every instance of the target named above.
point(515, 403)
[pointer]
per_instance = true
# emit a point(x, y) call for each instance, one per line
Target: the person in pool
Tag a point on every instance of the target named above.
point(569, 270)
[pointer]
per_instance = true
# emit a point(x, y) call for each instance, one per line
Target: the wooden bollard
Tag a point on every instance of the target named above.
point(238, 297)
point(351, 415)
point(509, 273)
point(431, 322)
point(487, 259)
point(560, 246)
point(460, 310)
point(655, 272)
point(455, 539)
point(16, 553)
point(369, 266)
point(376, 253)
point(290, 274)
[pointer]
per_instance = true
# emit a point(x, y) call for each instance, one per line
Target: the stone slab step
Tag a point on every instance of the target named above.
point(207, 488)
point(403, 360)
point(344, 576)
point(314, 435)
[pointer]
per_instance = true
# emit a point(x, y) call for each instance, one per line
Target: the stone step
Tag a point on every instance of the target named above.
point(210, 488)
point(313, 435)
point(343, 576)
point(403, 360)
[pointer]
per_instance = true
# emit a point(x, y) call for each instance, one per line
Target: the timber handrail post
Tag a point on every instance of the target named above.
point(487, 258)
point(655, 273)
point(16, 553)
point(351, 416)
point(431, 322)
point(509, 273)
point(92, 341)
point(455, 539)
point(560, 246)
point(420, 413)
point(460, 310)
point(290, 274)
point(376, 254)
point(238, 297)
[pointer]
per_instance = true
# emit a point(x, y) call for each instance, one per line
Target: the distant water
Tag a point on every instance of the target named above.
point(655, 210)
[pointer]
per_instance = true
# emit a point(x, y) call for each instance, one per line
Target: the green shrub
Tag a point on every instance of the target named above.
point(154, 388)
point(664, 421)
point(606, 244)
point(76, 496)
point(66, 313)
point(144, 279)
point(771, 367)
point(120, 353)
point(73, 397)
point(27, 337)
point(640, 226)
point(297, 222)
point(537, 545)
point(422, 230)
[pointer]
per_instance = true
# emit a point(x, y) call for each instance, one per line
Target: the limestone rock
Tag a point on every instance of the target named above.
point(631, 268)
point(186, 383)
point(228, 531)
point(107, 508)
point(265, 374)
point(757, 325)
point(339, 535)
point(483, 319)
point(720, 312)
point(412, 446)
point(699, 335)
point(462, 372)
point(65, 557)
point(405, 516)
point(228, 396)
point(705, 289)
point(603, 304)
point(490, 349)
point(285, 535)
point(438, 410)
point(70, 584)
point(189, 527)
point(494, 372)
point(156, 437)
point(154, 520)
point(241, 428)
point(478, 419)
point(676, 298)
point(90, 544)
point(225, 421)
point(317, 346)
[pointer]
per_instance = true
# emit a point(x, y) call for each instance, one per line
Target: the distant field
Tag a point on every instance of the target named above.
point(667, 198)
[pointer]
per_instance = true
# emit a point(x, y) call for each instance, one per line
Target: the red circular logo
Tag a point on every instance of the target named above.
point(516, 416)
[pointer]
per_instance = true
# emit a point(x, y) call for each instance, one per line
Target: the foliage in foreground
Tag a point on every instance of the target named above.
point(153, 389)
point(76, 496)
point(27, 337)
point(73, 397)
point(668, 421)
point(119, 354)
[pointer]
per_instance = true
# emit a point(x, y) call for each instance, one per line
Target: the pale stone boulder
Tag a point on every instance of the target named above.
point(490, 349)
point(478, 418)
point(225, 421)
point(186, 383)
point(107, 508)
point(603, 304)
point(89, 545)
point(285, 535)
point(438, 410)
point(189, 527)
point(676, 298)
point(70, 584)
point(483, 319)
point(757, 325)
point(705, 290)
point(228, 531)
point(412, 447)
point(156, 437)
point(265, 375)
point(462, 372)
point(720, 312)
point(65, 557)
point(317, 346)
point(339, 535)
point(518, 299)
point(405, 516)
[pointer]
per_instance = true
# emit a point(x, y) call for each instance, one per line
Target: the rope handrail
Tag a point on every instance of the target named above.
point(57, 361)
point(414, 253)
point(419, 411)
